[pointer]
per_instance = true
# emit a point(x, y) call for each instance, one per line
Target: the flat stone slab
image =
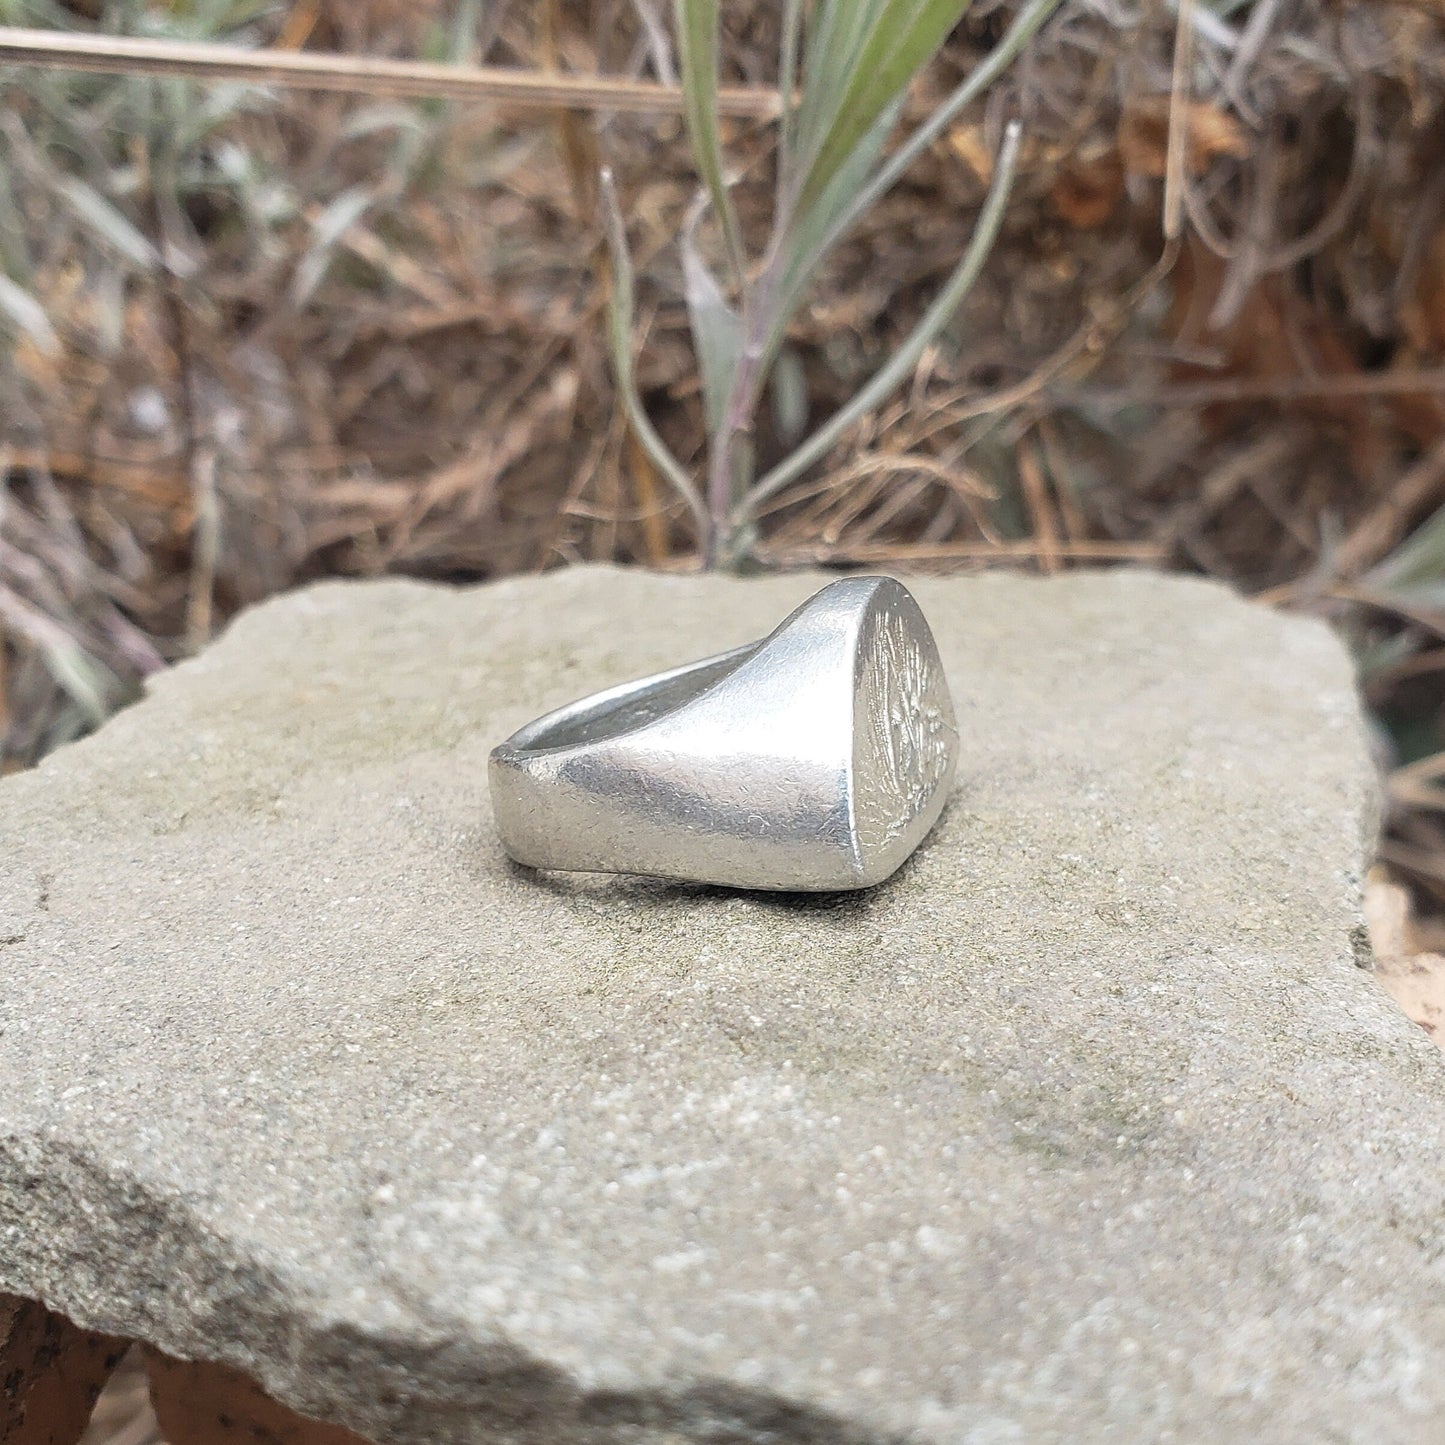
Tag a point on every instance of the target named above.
point(1085, 1126)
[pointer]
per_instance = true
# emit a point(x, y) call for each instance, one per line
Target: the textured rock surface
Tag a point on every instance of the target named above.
point(1086, 1123)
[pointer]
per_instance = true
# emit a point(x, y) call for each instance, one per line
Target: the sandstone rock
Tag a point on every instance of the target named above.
point(1086, 1126)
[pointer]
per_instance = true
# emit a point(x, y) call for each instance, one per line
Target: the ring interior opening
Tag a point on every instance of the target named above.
point(611, 716)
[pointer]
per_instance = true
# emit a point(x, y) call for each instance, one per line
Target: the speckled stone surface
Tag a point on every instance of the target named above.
point(1085, 1126)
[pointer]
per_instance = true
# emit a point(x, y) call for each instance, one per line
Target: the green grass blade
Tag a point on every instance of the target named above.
point(697, 46)
point(788, 85)
point(621, 307)
point(838, 29)
point(810, 229)
point(814, 243)
point(1415, 571)
point(1026, 24)
point(902, 40)
point(716, 331)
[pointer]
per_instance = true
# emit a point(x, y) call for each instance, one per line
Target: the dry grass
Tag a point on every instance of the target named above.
point(336, 335)
point(341, 336)
point(123, 1414)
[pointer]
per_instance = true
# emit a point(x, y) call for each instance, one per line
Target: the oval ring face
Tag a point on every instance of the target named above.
point(816, 759)
point(906, 736)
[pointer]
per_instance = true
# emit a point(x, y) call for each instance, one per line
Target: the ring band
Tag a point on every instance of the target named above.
point(815, 759)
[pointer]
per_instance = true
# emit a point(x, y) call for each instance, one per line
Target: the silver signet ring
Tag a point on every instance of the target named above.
point(816, 759)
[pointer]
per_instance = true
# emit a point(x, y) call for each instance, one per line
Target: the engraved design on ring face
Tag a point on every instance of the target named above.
point(908, 726)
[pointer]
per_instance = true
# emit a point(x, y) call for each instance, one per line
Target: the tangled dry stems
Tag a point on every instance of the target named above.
point(343, 336)
point(377, 345)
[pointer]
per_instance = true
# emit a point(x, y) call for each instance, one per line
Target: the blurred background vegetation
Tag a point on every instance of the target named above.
point(251, 336)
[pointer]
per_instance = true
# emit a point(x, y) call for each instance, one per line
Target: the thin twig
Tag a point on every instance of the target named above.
point(619, 318)
point(1088, 550)
point(205, 548)
point(1091, 338)
point(650, 513)
point(659, 42)
point(1056, 461)
point(1419, 784)
point(1423, 863)
point(367, 75)
point(1174, 177)
point(1252, 41)
point(1189, 395)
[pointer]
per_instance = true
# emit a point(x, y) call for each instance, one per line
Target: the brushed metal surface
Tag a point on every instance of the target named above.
point(816, 759)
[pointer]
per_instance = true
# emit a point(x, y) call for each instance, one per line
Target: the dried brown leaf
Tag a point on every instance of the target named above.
point(1088, 189)
point(202, 1404)
point(51, 1373)
point(1415, 979)
point(1143, 136)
